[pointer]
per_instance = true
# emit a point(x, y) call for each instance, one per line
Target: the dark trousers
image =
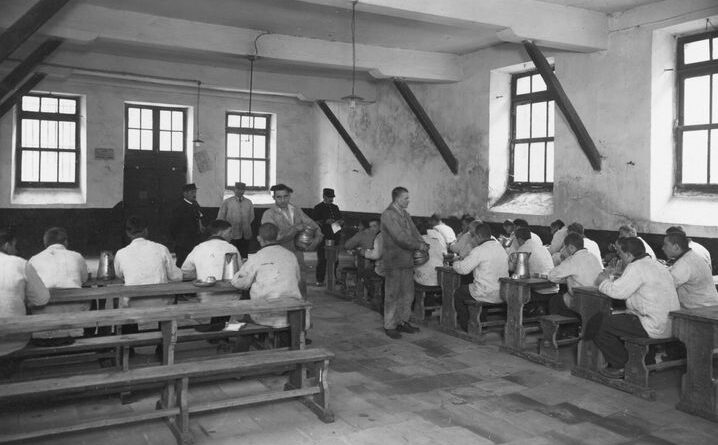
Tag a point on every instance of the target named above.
point(608, 337)
point(462, 310)
point(322, 262)
point(242, 245)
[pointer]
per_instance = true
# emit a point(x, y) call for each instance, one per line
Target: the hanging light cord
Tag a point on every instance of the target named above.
point(252, 58)
point(199, 84)
point(354, 53)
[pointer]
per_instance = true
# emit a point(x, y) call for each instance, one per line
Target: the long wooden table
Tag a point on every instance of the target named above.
point(589, 301)
point(698, 330)
point(450, 281)
point(516, 293)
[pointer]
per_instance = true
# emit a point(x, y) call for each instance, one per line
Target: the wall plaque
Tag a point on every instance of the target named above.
point(104, 153)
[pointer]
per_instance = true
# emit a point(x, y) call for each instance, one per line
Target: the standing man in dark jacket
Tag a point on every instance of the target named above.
point(186, 225)
point(400, 240)
point(326, 213)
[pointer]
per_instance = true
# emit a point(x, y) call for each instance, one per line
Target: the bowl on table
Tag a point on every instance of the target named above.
point(209, 281)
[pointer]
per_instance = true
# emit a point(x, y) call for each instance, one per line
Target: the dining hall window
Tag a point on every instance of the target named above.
point(155, 128)
point(696, 131)
point(48, 143)
point(532, 133)
point(247, 150)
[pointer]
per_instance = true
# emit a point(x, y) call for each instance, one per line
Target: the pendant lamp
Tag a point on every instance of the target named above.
point(352, 99)
point(197, 140)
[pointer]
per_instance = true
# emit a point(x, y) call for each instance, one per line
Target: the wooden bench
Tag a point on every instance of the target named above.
point(476, 328)
point(637, 370)
point(420, 294)
point(309, 387)
point(550, 342)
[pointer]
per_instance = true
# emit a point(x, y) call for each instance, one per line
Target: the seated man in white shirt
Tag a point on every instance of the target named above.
point(59, 267)
point(588, 244)
point(425, 274)
point(514, 246)
point(144, 262)
point(540, 262)
point(694, 246)
point(465, 244)
point(364, 238)
point(558, 233)
point(446, 232)
point(271, 275)
point(647, 287)
point(691, 275)
point(20, 288)
point(488, 262)
point(580, 268)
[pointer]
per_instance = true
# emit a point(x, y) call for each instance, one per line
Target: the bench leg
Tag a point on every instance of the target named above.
point(169, 340)
point(319, 403)
point(549, 346)
point(180, 424)
point(636, 371)
point(474, 327)
point(419, 307)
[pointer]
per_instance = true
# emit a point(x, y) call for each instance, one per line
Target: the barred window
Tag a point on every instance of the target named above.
point(156, 128)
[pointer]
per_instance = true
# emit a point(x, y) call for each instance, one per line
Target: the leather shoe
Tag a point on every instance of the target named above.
point(612, 373)
point(393, 333)
point(406, 327)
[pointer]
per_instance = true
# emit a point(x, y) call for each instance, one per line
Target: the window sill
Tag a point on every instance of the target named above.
point(525, 203)
point(694, 208)
point(258, 198)
point(48, 196)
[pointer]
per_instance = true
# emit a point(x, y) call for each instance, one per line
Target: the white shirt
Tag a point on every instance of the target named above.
point(514, 246)
point(426, 273)
point(272, 274)
point(439, 237)
point(694, 281)
point(702, 252)
point(592, 247)
point(540, 262)
point(557, 240)
point(446, 232)
point(207, 259)
point(580, 269)
point(648, 248)
point(647, 287)
point(488, 262)
point(375, 254)
point(146, 262)
point(19, 286)
point(463, 245)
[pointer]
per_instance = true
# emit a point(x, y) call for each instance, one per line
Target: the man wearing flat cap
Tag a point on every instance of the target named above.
point(325, 214)
point(186, 225)
point(239, 211)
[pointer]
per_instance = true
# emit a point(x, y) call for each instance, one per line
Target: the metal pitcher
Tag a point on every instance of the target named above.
point(521, 259)
point(231, 266)
point(106, 267)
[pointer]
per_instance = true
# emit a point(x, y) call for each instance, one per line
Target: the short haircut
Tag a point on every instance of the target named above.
point(54, 235)
point(631, 245)
point(218, 226)
point(280, 187)
point(422, 227)
point(557, 224)
point(523, 233)
point(268, 232)
point(675, 229)
point(466, 218)
point(397, 192)
point(679, 238)
point(576, 228)
point(574, 239)
point(6, 236)
point(135, 224)
point(508, 222)
point(518, 222)
point(483, 230)
point(628, 231)
point(376, 220)
point(435, 217)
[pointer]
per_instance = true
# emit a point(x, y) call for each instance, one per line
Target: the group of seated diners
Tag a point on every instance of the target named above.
point(272, 274)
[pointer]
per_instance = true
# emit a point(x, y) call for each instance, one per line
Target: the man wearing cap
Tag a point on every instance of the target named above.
point(186, 224)
point(326, 213)
point(238, 211)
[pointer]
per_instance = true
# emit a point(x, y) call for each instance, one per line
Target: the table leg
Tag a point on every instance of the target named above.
point(331, 255)
point(698, 389)
point(296, 328)
point(589, 359)
point(169, 340)
point(515, 297)
point(449, 282)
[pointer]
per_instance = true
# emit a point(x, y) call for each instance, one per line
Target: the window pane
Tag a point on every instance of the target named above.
point(245, 172)
point(67, 167)
point(523, 121)
point(695, 157)
point(523, 85)
point(521, 163)
point(48, 134)
point(549, 162)
point(67, 135)
point(146, 139)
point(133, 117)
point(246, 122)
point(30, 103)
point(260, 147)
point(233, 120)
point(68, 106)
point(246, 146)
point(537, 162)
point(30, 171)
point(146, 119)
point(165, 120)
point(260, 123)
point(715, 48)
point(177, 141)
point(48, 166)
point(30, 133)
point(232, 145)
point(260, 173)
point(177, 121)
point(696, 51)
point(714, 156)
point(48, 105)
point(538, 120)
point(696, 100)
point(551, 107)
point(232, 171)
point(165, 140)
point(537, 83)
point(133, 139)
point(714, 101)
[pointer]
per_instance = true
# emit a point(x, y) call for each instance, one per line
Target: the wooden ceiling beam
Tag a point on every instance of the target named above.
point(27, 66)
point(345, 135)
point(26, 25)
point(25, 88)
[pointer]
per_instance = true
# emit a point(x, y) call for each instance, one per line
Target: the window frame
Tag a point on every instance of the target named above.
point(155, 128)
point(266, 132)
point(683, 72)
point(57, 117)
point(521, 99)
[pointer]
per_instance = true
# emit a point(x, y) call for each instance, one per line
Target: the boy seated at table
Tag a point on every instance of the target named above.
point(20, 287)
point(425, 274)
point(488, 262)
point(691, 274)
point(59, 268)
point(647, 287)
point(271, 275)
point(539, 262)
